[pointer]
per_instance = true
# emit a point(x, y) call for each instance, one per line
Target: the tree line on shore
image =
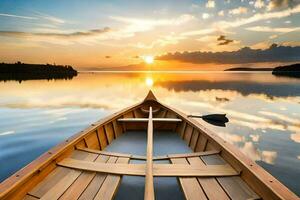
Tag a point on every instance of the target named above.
point(21, 71)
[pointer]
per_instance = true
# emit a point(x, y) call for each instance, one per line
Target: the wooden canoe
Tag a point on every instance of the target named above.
point(81, 167)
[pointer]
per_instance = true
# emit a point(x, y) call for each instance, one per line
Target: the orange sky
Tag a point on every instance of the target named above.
point(105, 34)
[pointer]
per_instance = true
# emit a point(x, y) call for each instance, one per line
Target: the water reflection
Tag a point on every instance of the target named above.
point(263, 110)
point(149, 81)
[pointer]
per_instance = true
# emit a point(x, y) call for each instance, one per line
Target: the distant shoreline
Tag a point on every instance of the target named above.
point(286, 71)
point(22, 71)
point(243, 69)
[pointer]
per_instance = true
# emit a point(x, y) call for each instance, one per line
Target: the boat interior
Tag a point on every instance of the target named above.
point(146, 151)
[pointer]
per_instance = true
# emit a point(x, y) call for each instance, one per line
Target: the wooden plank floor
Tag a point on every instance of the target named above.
point(213, 187)
point(66, 183)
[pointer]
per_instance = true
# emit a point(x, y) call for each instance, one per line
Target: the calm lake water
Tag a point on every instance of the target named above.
point(264, 112)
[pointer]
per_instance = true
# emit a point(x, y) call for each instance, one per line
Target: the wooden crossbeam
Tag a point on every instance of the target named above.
point(138, 157)
point(146, 120)
point(183, 170)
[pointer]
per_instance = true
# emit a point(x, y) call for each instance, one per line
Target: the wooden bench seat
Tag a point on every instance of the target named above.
point(158, 169)
point(66, 183)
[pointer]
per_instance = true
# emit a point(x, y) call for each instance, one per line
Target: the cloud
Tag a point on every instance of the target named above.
point(221, 13)
point(17, 16)
point(162, 41)
point(281, 117)
point(295, 137)
point(238, 11)
point(232, 138)
point(253, 153)
point(148, 24)
point(274, 53)
point(210, 4)
point(39, 16)
point(272, 30)
point(259, 4)
point(199, 32)
point(223, 40)
point(132, 26)
point(275, 4)
point(222, 26)
point(255, 138)
point(269, 156)
point(205, 16)
point(273, 36)
point(259, 17)
point(137, 25)
point(7, 133)
point(73, 35)
point(50, 18)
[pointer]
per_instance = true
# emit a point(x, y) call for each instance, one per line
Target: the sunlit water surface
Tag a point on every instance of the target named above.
point(264, 112)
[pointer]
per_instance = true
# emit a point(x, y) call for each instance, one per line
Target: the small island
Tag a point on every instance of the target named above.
point(288, 70)
point(21, 71)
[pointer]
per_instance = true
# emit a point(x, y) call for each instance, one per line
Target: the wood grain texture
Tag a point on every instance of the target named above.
point(149, 185)
point(128, 115)
point(194, 139)
point(188, 134)
point(161, 114)
point(158, 169)
point(195, 154)
point(182, 130)
point(138, 157)
point(146, 120)
point(81, 183)
point(92, 141)
point(28, 197)
point(109, 132)
point(201, 143)
point(94, 186)
point(190, 186)
point(117, 128)
point(138, 113)
point(55, 185)
point(102, 138)
point(110, 185)
point(235, 187)
point(211, 187)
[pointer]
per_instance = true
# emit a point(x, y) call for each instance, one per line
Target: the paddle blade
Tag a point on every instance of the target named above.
point(214, 119)
point(221, 118)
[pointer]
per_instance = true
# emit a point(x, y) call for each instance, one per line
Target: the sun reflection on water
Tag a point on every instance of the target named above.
point(149, 81)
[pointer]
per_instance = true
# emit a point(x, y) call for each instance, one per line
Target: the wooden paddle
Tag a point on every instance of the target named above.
point(214, 119)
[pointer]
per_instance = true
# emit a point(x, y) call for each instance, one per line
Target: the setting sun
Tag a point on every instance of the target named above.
point(148, 59)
